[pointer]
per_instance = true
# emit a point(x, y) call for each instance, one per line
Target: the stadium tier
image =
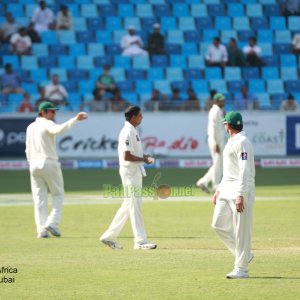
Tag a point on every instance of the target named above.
point(78, 55)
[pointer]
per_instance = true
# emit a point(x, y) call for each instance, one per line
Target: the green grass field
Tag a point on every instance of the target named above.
point(190, 262)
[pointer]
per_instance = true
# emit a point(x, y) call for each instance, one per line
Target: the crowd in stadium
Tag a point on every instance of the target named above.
point(163, 55)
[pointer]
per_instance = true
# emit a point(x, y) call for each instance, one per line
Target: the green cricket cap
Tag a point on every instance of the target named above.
point(219, 97)
point(46, 105)
point(233, 118)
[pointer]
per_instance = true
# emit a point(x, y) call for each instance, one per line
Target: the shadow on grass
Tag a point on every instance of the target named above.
point(274, 277)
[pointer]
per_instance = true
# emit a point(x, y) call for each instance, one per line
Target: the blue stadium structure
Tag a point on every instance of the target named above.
point(78, 55)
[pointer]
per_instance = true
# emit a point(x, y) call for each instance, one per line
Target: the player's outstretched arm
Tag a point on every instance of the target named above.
point(82, 116)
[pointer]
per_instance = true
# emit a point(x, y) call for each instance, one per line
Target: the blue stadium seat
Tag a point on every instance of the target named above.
point(140, 62)
point(155, 73)
point(271, 60)
point(172, 49)
point(235, 86)
point(277, 23)
point(4, 49)
point(178, 61)
point(79, 24)
point(118, 74)
point(254, 10)
point(89, 10)
point(125, 10)
point(113, 49)
point(77, 74)
point(182, 85)
point(168, 23)
point(49, 37)
point(245, 35)
point(85, 37)
point(270, 73)
point(213, 73)
point(277, 100)
point(265, 36)
point(86, 86)
point(135, 74)
point(289, 73)
point(288, 60)
point(11, 59)
point(256, 86)
point(132, 21)
point(264, 101)
point(226, 35)
point(282, 36)
point(250, 73)
point(58, 49)
point(147, 23)
point(47, 62)
point(74, 9)
point(204, 47)
point(125, 86)
point(101, 61)
point(180, 10)
point(219, 85)
point(60, 72)
point(292, 86)
point(67, 37)
point(106, 10)
point(66, 61)
point(266, 48)
point(275, 86)
point(144, 10)
point(40, 50)
point(15, 9)
point(143, 87)
point(118, 35)
point(216, 10)
point(94, 24)
point(186, 23)
point(163, 86)
point(103, 37)
point(189, 49)
point(77, 49)
point(196, 61)
point(160, 61)
point(193, 74)
point(174, 74)
point(85, 62)
point(192, 36)
point(223, 23)
point(162, 10)
point(38, 74)
point(132, 98)
point(232, 73)
point(258, 23)
point(113, 22)
point(93, 74)
point(175, 37)
point(272, 10)
point(29, 62)
point(204, 23)
point(241, 23)
point(122, 61)
point(95, 49)
point(235, 10)
point(200, 86)
point(294, 23)
point(209, 35)
point(70, 86)
point(282, 48)
point(198, 10)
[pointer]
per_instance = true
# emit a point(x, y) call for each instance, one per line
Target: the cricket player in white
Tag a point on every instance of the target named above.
point(234, 198)
point(45, 170)
point(216, 141)
point(131, 160)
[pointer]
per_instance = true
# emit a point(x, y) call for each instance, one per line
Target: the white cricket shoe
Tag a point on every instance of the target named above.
point(53, 230)
point(145, 246)
point(112, 244)
point(43, 235)
point(236, 274)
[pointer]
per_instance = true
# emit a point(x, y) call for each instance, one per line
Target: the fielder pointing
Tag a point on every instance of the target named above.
point(131, 160)
point(234, 198)
point(45, 170)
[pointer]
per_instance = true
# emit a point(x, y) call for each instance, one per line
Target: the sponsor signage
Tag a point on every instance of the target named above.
point(293, 135)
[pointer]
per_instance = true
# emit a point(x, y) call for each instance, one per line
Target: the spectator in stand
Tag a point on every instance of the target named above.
point(290, 104)
point(295, 46)
point(236, 57)
point(252, 53)
point(25, 105)
point(156, 41)
point(290, 7)
point(32, 33)
point(21, 42)
point(43, 18)
point(10, 81)
point(175, 101)
point(106, 81)
point(98, 103)
point(216, 55)
point(55, 92)
point(132, 44)
point(117, 102)
point(155, 100)
point(210, 100)
point(64, 19)
point(245, 100)
point(41, 99)
point(192, 102)
point(8, 28)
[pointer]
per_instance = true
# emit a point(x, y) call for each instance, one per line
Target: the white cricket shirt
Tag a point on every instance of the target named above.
point(215, 128)
point(238, 167)
point(129, 140)
point(41, 138)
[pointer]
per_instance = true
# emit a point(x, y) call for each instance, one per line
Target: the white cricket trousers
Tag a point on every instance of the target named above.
point(235, 229)
point(131, 207)
point(46, 176)
point(214, 173)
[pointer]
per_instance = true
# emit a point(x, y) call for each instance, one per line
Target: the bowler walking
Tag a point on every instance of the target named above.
point(234, 198)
